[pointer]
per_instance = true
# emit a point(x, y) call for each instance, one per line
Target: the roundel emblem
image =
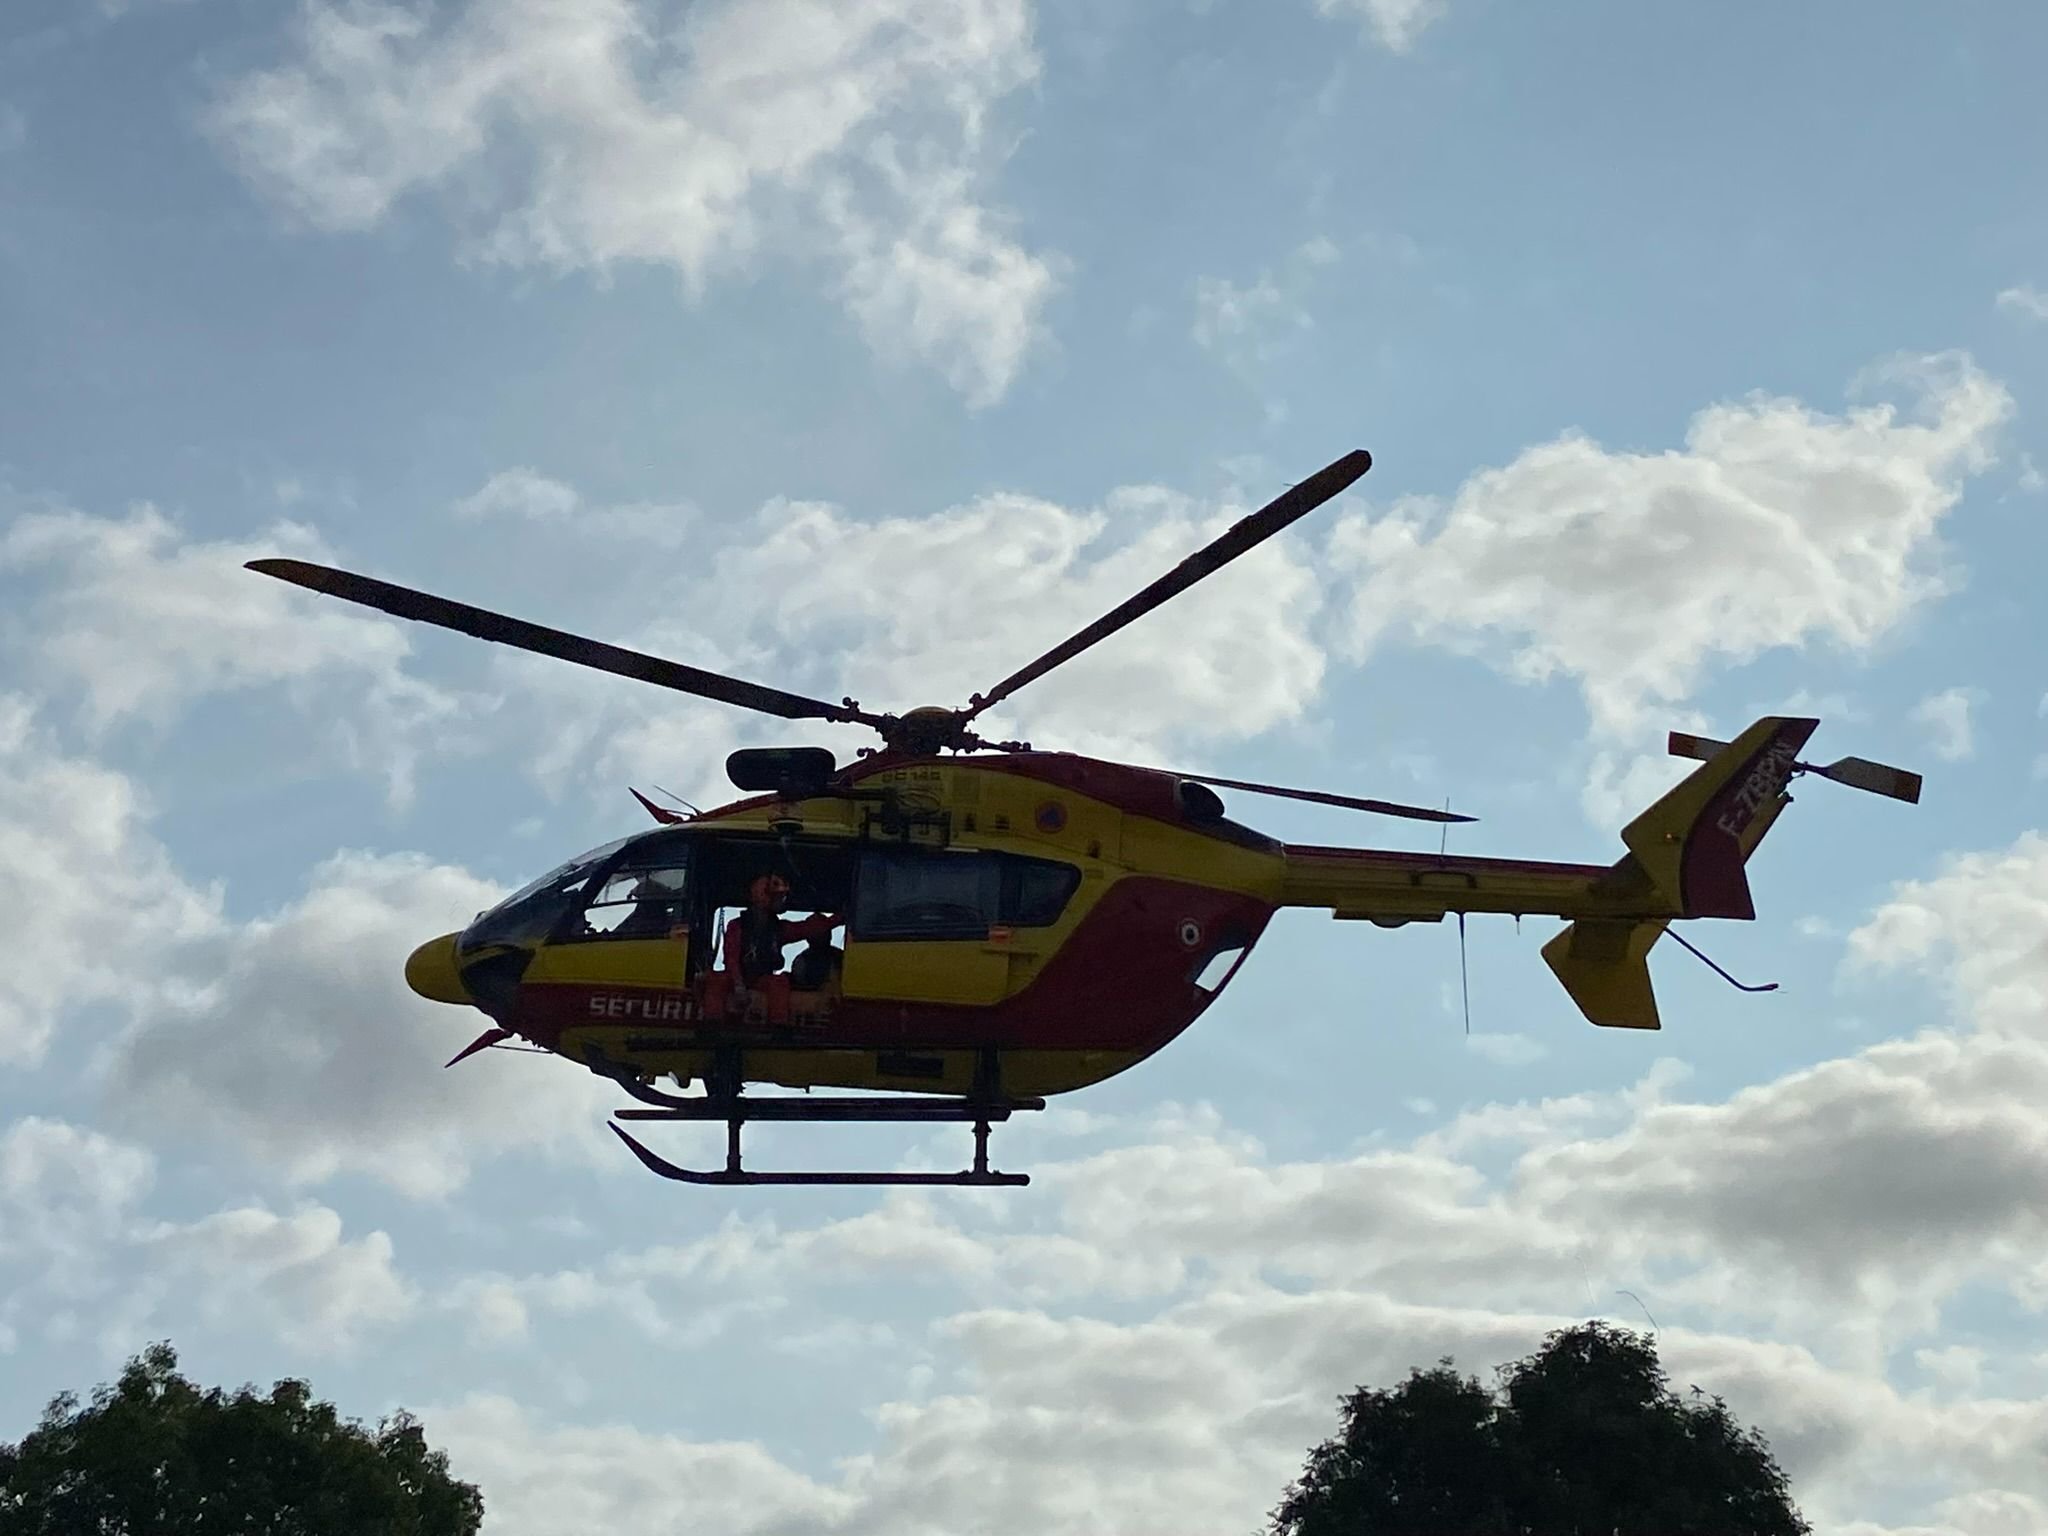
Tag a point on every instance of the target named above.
point(1050, 816)
point(1190, 932)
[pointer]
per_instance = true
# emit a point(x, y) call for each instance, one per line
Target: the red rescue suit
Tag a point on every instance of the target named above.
point(754, 941)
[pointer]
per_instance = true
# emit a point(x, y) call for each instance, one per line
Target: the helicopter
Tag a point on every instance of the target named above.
point(1016, 923)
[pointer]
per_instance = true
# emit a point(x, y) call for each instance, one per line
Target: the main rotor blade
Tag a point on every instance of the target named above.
point(405, 603)
point(1255, 528)
point(1323, 797)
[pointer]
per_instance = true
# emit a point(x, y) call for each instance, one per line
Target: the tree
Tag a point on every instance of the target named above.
point(154, 1454)
point(1582, 1438)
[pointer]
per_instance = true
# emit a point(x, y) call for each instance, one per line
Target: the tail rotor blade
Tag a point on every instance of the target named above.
point(1856, 772)
point(1878, 778)
point(1699, 748)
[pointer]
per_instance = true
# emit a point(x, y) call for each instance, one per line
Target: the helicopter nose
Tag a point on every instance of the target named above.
point(430, 971)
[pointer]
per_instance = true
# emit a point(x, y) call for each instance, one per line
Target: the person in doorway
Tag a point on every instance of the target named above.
point(754, 940)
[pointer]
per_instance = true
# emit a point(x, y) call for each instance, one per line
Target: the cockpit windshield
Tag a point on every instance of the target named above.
point(531, 912)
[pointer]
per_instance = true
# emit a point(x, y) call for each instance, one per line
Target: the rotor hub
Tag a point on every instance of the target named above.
point(929, 730)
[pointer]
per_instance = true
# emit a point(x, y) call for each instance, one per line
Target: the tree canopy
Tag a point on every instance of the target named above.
point(1583, 1438)
point(154, 1455)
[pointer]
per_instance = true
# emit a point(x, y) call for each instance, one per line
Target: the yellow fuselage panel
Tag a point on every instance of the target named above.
point(967, 972)
point(612, 962)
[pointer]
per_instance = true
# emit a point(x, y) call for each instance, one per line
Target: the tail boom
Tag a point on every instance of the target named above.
point(1687, 857)
point(1390, 888)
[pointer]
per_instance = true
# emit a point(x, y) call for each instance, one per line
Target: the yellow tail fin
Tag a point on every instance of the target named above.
point(1694, 842)
point(1691, 846)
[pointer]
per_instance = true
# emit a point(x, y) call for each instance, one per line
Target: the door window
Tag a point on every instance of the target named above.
point(925, 896)
point(904, 895)
point(1035, 891)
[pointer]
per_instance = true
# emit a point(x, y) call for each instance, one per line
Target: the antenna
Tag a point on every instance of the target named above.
point(1464, 976)
point(1464, 981)
point(679, 800)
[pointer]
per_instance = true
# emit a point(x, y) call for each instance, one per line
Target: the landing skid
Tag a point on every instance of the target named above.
point(728, 1103)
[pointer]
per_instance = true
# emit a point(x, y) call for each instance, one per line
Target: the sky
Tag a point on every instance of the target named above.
point(869, 348)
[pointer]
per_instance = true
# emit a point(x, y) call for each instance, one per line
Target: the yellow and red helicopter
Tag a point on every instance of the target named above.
point(1016, 923)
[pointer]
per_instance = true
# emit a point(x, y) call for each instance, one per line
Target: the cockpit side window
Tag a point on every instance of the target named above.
point(640, 900)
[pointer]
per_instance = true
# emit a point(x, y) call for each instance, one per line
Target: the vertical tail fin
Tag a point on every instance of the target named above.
point(1694, 842)
point(1604, 964)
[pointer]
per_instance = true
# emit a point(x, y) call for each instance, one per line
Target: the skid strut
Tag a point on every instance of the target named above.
point(729, 1104)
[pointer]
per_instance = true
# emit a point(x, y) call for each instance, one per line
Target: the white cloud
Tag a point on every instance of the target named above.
point(521, 493)
point(493, 1312)
point(64, 1192)
point(532, 497)
point(94, 905)
point(77, 1256)
point(294, 1276)
point(929, 610)
point(1995, 1512)
point(1251, 326)
point(1946, 718)
point(1628, 573)
point(1225, 310)
point(2025, 299)
point(586, 133)
point(1882, 1179)
point(1396, 23)
point(1507, 1050)
point(1979, 927)
point(299, 1043)
point(545, 1479)
point(1620, 783)
point(942, 279)
point(137, 621)
point(1957, 1367)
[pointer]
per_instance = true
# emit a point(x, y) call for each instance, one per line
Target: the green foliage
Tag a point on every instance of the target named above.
point(1582, 1438)
point(153, 1455)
